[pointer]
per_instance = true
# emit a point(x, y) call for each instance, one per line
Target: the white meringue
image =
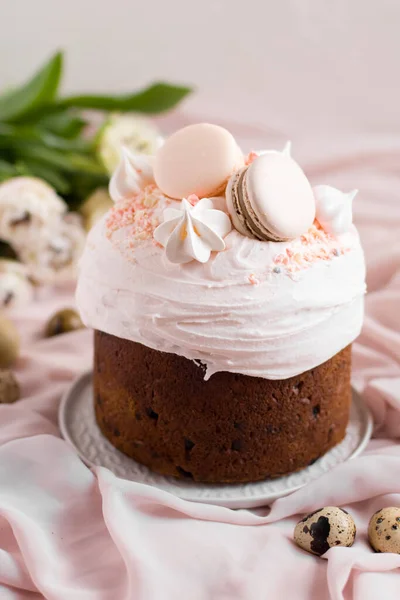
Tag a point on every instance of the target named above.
point(133, 173)
point(193, 232)
point(287, 148)
point(334, 209)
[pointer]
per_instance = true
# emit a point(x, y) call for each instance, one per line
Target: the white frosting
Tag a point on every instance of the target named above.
point(133, 173)
point(334, 209)
point(286, 150)
point(237, 312)
point(193, 232)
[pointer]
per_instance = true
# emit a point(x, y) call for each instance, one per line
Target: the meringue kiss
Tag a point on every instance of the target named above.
point(193, 232)
point(334, 209)
point(133, 173)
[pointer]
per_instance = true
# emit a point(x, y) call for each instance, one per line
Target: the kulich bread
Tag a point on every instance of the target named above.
point(157, 408)
point(227, 319)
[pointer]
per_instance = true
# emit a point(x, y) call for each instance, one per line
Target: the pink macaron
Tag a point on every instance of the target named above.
point(271, 199)
point(198, 159)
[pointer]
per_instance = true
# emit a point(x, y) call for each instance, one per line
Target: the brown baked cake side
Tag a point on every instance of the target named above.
point(156, 408)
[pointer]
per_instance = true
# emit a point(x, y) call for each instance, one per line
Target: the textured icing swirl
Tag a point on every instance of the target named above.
point(272, 310)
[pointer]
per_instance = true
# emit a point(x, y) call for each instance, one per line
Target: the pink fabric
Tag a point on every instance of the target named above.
point(69, 534)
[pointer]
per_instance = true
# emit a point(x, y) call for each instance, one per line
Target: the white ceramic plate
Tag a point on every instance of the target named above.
point(80, 430)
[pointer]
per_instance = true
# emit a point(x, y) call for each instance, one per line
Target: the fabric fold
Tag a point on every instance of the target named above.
point(67, 533)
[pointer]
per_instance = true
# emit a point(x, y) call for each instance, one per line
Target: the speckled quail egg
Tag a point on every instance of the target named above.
point(9, 388)
point(384, 530)
point(63, 321)
point(9, 342)
point(325, 528)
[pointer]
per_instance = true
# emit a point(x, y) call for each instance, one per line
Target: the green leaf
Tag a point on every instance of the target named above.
point(157, 98)
point(154, 99)
point(7, 170)
point(84, 185)
point(60, 143)
point(6, 167)
point(27, 133)
point(49, 174)
point(64, 124)
point(39, 90)
point(40, 112)
point(70, 162)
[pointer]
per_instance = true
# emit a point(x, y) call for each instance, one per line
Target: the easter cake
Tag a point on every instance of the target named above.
point(225, 293)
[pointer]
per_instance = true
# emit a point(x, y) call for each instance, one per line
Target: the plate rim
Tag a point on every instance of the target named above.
point(239, 502)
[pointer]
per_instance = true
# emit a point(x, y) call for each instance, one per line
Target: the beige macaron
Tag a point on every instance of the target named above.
point(198, 159)
point(271, 199)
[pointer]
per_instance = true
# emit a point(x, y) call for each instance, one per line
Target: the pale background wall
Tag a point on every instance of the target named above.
point(315, 66)
point(323, 73)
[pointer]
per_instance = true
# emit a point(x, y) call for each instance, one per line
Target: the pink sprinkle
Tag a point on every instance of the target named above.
point(306, 239)
point(132, 213)
point(193, 199)
point(250, 157)
point(279, 259)
point(292, 268)
point(313, 246)
point(253, 279)
point(298, 258)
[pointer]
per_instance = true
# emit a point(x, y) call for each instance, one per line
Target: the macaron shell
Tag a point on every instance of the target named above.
point(198, 159)
point(232, 202)
point(280, 195)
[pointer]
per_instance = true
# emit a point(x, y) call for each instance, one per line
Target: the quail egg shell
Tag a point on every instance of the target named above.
point(384, 530)
point(325, 528)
